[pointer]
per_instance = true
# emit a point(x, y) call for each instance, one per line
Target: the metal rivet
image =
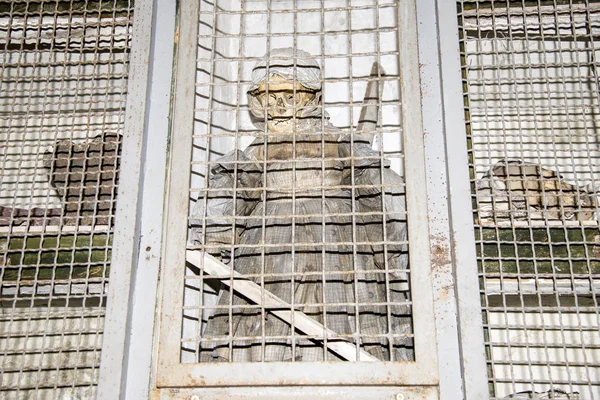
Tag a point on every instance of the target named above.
point(400, 396)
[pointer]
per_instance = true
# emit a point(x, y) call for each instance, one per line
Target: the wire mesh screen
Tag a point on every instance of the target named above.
point(64, 78)
point(296, 187)
point(532, 108)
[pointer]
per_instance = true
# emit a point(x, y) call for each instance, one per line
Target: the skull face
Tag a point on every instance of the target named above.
point(281, 100)
point(282, 103)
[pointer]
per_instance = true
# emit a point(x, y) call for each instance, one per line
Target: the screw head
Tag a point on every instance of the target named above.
point(400, 396)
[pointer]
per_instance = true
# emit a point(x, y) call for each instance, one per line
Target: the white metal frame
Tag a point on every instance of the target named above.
point(172, 373)
point(125, 370)
point(456, 291)
point(473, 364)
point(128, 353)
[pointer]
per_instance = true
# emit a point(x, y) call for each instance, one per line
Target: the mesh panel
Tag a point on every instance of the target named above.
point(531, 97)
point(64, 78)
point(304, 207)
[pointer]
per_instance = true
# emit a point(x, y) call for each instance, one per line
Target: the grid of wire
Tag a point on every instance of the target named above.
point(345, 38)
point(530, 70)
point(63, 74)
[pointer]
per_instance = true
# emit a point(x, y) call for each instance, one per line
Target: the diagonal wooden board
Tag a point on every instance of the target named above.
point(281, 309)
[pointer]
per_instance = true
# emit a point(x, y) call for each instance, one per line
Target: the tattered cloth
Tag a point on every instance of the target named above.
point(520, 190)
point(335, 195)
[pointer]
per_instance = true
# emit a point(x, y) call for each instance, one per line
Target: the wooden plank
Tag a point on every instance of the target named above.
point(256, 294)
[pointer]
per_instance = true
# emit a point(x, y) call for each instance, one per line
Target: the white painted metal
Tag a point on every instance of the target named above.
point(305, 392)
point(176, 207)
point(472, 351)
point(462, 358)
point(412, 125)
point(145, 281)
point(114, 360)
point(434, 81)
point(171, 372)
point(126, 351)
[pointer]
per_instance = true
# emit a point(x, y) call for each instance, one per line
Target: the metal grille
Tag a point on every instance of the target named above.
point(298, 211)
point(64, 79)
point(532, 108)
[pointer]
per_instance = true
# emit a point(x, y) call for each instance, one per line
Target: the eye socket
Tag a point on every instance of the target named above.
point(272, 99)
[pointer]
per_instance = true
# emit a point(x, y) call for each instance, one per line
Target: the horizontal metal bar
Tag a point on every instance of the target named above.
point(300, 336)
point(299, 162)
point(35, 366)
point(46, 385)
point(64, 349)
point(300, 305)
point(546, 364)
point(44, 313)
point(305, 244)
point(486, 8)
point(223, 35)
point(299, 217)
point(545, 328)
point(513, 286)
point(275, 11)
point(307, 273)
point(55, 288)
point(329, 56)
point(537, 223)
point(544, 381)
point(55, 229)
point(313, 392)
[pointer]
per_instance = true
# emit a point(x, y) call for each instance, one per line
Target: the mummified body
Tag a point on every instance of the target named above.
point(313, 237)
point(520, 190)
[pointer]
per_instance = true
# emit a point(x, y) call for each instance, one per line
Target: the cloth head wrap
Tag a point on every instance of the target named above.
point(299, 67)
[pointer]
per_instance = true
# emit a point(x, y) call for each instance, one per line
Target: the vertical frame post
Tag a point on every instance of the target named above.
point(442, 259)
point(470, 323)
point(132, 293)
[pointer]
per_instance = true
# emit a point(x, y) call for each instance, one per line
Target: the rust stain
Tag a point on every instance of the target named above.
point(437, 256)
point(440, 252)
point(443, 294)
point(155, 394)
point(196, 381)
